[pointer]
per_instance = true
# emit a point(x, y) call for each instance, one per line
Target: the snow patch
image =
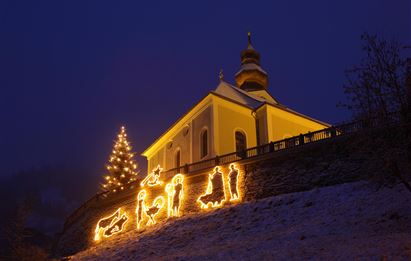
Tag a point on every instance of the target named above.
point(343, 222)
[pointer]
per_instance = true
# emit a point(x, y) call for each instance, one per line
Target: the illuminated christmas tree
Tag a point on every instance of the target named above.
point(121, 167)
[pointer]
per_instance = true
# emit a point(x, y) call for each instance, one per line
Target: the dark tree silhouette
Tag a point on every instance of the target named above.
point(377, 86)
point(19, 237)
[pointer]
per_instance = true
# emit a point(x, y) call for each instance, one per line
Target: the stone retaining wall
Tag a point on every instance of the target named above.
point(364, 156)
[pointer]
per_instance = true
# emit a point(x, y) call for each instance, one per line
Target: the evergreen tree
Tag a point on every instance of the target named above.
point(121, 166)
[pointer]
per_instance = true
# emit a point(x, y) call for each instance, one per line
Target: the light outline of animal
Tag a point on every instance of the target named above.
point(209, 190)
point(170, 189)
point(116, 229)
point(101, 230)
point(153, 179)
point(152, 219)
point(141, 193)
point(237, 197)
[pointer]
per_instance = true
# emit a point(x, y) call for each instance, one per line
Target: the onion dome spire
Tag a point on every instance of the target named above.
point(251, 76)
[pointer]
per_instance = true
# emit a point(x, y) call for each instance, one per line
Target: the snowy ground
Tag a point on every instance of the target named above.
point(344, 222)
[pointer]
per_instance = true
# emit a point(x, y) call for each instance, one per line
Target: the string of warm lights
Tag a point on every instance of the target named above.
point(121, 166)
point(215, 194)
point(110, 225)
point(175, 194)
point(170, 199)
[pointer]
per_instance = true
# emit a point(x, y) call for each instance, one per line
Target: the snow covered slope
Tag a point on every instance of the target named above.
point(343, 222)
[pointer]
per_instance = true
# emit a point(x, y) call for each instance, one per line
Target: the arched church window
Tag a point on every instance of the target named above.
point(204, 143)
point(240, 143)
point(177, 159)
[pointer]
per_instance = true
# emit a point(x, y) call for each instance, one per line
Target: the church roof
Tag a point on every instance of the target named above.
point(252, 101)
point(240, 96)
point(250, 66)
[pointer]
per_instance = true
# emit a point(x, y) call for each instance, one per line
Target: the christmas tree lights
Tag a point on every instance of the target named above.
point(121, 166)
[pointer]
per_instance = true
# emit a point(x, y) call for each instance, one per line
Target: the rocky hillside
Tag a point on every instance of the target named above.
point(343, 222)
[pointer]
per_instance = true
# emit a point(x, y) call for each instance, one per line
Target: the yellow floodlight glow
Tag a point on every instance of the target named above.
point(233, 182)
point(152, 179)
point(175, 194)
point(215, 194)
point(110, 225)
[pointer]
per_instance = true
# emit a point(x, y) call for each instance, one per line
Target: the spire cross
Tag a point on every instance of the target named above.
point(249, 37)
point(221, 75)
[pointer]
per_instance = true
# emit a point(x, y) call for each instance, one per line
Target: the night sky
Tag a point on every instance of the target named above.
point(73, 72)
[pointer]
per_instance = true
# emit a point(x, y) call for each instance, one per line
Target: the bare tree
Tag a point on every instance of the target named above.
point(16, 234)
point(377, 86)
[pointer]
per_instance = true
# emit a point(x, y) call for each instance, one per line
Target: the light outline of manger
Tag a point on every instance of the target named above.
point(155, 174)
point(237, 197)
point(101, 230)
point(170, 195)
point(209, 191)
point(152, 220)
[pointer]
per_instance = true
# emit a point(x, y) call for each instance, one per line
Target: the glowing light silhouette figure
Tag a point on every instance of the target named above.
point(152, 211)
point(215, 193)
point(110, 225)
point(141, 207)
point(175, 195)
point(117, 226)
point(152, 179)
point(233, 182)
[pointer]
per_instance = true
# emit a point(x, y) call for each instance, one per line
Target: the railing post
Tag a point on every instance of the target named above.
point(185, 169)
point(333, 132)
point(217, 160)
point(271, 147)
point(301, 139)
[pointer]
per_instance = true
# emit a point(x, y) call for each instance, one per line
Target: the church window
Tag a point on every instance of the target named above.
point(240, 142)
point(204, 143)
point(178, 159)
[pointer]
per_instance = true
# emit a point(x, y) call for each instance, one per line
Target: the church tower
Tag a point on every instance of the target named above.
point(251, 77)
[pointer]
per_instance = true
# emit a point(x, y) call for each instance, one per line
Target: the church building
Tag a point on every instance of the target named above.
point(230, 119)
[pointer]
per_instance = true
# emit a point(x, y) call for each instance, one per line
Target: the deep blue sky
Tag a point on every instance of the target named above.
point(72, 72)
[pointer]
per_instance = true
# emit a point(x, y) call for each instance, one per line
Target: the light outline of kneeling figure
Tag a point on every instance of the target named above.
point(210, 189)
point(171, 189)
